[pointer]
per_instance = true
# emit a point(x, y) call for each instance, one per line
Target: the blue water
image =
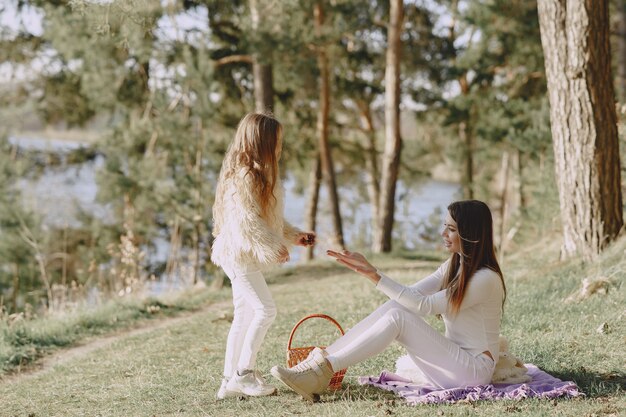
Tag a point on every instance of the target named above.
point(63, 191)
point(417, 207)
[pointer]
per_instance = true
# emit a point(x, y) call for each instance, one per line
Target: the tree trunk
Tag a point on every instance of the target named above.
point(218, 280)
point(261, 72)
point(371, 160)
point(621, 51)
point(16, 287)
point(465, 126)
point(263, 86)
point(465, 134)
point(196, 252)
point(575, 40)
point(328, 170)
point(144, 73)
point(310, 219)
point(504, 203)
point(520, 178)
point(173, 261)
point(393, 141)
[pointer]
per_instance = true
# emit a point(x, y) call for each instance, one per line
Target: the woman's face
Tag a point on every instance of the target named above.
point(450, 234)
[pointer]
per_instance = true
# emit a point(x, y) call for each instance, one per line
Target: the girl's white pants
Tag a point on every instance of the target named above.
point(254, 312)
point(442, 362)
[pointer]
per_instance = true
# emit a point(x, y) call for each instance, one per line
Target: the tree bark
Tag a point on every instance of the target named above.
point(465, 126)
point(263, 86)
point(328, 170)
point(575, 40)
point(261, 72)
point(173, 261)
point(520, 178)
point(393, 141)
point(310, 219)
point(371, 161)
point(465, 134)
point(504, 203)
point(621, 51)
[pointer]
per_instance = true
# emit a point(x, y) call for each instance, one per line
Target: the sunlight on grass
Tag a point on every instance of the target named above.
point(177, 371)
point(24, 341)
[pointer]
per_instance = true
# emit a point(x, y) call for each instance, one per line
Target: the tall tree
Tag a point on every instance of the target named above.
point(621, 51)
point(310, 217)
point(575, 39)
point(360, 89)
point(503, 68)
point(466, 122)
point(261, 68)
point(393, 142)
point(328, 168)
point(359, 65)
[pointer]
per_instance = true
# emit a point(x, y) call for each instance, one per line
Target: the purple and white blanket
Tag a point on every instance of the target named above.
point(543, 385)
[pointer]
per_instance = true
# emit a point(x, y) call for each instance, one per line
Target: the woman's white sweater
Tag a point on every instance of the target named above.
point(244, 235)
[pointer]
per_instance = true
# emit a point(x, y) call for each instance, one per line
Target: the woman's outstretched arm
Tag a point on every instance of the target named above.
point(410, 297)
point(356, 262)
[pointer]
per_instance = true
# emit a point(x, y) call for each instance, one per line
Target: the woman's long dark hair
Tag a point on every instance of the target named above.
point(475, 228)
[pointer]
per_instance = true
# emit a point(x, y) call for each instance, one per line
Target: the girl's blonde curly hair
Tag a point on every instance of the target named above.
point(255, 149)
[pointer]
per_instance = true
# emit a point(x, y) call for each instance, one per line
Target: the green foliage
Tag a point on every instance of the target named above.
point(161, 147)
point(17, 224)
point(170, 97)
point(497, 69)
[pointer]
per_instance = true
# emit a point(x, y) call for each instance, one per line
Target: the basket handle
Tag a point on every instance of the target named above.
point(312, 316)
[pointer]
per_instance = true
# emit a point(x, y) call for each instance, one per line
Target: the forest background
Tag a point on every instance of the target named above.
point(369, 95)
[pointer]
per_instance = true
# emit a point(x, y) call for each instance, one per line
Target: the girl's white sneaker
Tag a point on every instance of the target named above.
point(224, 393)
point(262, 382)
point(250, 383)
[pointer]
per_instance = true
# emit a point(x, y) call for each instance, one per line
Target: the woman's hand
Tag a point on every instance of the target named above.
point(283, 255)
point(305, 239)
point(356, 262)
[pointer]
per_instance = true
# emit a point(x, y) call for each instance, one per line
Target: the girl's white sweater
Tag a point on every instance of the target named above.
point(244, 236)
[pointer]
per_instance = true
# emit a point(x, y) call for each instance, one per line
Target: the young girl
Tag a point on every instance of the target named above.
point(467, 291)
point(250, 232)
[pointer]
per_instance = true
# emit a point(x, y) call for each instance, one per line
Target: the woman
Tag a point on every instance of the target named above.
point(467, 290)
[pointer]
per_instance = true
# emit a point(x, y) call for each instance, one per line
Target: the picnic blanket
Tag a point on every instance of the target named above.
point(542, 385)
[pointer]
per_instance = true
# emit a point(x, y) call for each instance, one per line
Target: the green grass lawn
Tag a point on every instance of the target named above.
point(24, 341)
point(175, 371)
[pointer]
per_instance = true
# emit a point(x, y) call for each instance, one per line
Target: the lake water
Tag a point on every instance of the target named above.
point(64, 190)
point(417, 207)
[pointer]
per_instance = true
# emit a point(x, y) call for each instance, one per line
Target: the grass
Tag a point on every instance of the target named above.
point(176, 371)
point(22, 342)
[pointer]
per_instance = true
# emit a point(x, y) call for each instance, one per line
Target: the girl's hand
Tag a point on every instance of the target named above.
point(283, 255)
point(305, 239)
point(356, 262)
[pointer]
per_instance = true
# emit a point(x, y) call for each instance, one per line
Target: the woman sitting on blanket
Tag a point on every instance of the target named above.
point(467, 290)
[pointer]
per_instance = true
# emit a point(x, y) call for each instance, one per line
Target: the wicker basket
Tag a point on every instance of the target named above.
point(296, 355)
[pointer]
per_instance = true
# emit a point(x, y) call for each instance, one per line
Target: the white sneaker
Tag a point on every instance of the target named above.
point(224, 393)
point(262, 382)
point(250, 383)
point(308, 378)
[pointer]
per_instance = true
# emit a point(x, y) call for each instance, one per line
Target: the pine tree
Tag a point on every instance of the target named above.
point(584, 127)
